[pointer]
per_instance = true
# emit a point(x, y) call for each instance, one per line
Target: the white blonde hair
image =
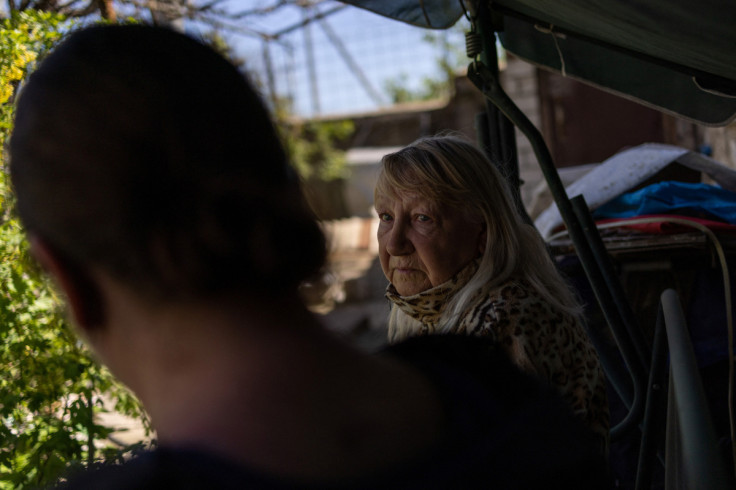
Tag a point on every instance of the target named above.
point(452, 171)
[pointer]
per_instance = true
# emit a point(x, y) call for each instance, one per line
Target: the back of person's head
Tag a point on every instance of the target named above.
point(143, 152)
point(448, 169)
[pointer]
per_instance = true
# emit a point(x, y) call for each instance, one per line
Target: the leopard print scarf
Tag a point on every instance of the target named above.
point(427, 308)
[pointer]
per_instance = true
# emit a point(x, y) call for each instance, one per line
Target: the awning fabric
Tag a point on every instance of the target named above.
point(675, 55)
point(432, 14)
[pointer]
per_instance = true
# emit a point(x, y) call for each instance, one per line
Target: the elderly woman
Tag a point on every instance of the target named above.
point(155, 191)
point(461, 261)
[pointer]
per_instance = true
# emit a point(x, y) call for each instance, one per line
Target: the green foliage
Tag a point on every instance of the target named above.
point(431, 88)
point(50, 388)
point(23, 36)
point(314, 150)
point(313, 147)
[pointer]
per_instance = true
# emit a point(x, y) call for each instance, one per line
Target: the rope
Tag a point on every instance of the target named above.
point(550, 30)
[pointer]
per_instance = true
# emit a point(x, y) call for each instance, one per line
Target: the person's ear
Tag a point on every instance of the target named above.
point(82, 294)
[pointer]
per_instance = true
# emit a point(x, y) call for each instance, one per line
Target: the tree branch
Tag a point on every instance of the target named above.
point(107, 10)
point(85, 11)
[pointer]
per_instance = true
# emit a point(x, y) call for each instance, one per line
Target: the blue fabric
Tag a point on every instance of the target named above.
point(671, 197)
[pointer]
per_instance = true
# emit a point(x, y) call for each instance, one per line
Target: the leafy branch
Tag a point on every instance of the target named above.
point(51, 389)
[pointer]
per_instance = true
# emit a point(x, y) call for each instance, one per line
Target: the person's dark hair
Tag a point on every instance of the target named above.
point(142, 151)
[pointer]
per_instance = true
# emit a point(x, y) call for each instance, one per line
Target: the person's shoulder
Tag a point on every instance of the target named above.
point(518, 302)
point(518, 429)
point(512, 295)
point(477, 361)
point(466, 353)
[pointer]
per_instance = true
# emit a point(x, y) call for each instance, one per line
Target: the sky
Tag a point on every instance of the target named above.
point(334, 77)
point(348, 75)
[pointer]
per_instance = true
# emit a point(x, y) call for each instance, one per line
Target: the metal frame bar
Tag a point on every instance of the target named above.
point(693, 430)
point(491, 88)
point(620, 319)
point(497, 131)
point(486, 78)
point(702, 465)
point(653, 424)
point(628, 321)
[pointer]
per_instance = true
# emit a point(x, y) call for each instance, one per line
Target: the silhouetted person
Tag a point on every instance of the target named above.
point(156, 193)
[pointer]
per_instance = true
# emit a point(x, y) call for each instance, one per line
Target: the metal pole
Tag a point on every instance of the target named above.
point(654, 411)
point(311, 70)
point(628, 322)
point(603, 282)
point(489, 85)
point(502, 138)
point(703, 467)
point(270, 79)
point(350, 61)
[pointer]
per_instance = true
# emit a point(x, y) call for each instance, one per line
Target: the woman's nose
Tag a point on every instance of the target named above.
point(398, 242)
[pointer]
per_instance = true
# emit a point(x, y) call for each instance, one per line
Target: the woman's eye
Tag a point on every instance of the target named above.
point(423, 218)
point(384, 216)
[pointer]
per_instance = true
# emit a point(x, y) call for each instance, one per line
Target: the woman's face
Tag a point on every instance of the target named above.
point(422, 243)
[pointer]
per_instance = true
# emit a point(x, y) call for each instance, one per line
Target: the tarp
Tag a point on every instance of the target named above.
point(675, 55)
point(432, 14)
point(625, 171)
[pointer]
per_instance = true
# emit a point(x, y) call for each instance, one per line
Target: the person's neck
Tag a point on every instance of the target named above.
point(263, 384)
point(187, 355)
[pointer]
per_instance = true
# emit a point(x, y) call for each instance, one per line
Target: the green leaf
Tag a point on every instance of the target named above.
point(48, 375)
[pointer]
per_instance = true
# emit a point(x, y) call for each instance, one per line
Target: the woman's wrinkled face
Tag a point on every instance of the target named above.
point(422, 243)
